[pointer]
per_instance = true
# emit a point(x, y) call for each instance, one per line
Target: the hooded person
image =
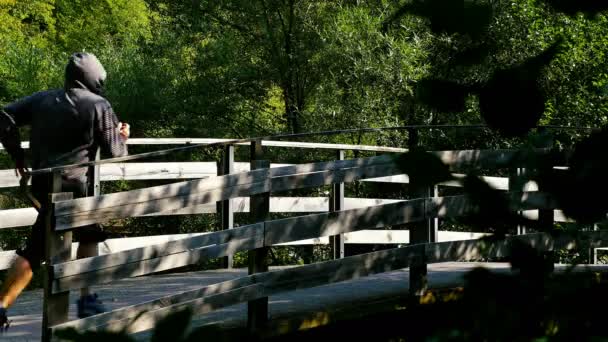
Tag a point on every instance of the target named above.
point(67, 126)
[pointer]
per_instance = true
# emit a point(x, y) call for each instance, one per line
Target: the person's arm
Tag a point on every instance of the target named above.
point(10, 139)
point(13, 116)
point(110, 134)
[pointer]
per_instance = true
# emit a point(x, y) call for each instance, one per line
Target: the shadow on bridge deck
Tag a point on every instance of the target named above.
point(27, 313)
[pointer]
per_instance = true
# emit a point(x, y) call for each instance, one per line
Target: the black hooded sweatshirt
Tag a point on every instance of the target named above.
point(67, 125)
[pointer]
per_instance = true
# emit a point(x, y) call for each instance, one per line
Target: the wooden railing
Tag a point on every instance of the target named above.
point(235, 187)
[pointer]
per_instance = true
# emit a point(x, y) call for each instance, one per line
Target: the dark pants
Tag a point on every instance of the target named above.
point(34, 247)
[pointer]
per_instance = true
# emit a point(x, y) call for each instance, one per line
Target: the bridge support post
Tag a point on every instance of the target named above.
point(516, 184)
point(420, 233)
point(58, 248)
point(546, 217)
point(257, 310)
point(424, 232)
point(336, 203)
point(226, 207)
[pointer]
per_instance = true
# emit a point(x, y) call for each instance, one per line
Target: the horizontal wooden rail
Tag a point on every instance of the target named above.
point(85, 211)
point(271, 283)
point(155, 258)
point(359, 237)
point(27, 216)
point(194, 170)
point(268, 143)
point(151, 259)
point(174, 196)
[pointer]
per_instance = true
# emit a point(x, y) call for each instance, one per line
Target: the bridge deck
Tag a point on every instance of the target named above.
point(27, 317)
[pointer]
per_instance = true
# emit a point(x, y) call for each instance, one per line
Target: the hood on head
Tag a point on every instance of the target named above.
point(84, 71)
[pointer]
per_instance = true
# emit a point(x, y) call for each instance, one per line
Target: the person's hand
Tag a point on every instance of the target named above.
point(125, 130)
point(20, 169)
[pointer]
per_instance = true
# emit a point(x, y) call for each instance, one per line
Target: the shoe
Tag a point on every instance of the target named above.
point(89, 306)
point(4, 322)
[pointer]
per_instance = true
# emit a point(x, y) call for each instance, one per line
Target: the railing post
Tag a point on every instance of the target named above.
point(546, 217)
point(95, 177)
point(336, 203)
point(225, 207)
point(423, 232)
point(516, 184)
point(259, 207)
point(58, 248)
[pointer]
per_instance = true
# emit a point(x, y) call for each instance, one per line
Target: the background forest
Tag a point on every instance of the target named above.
point(246, 68)
point(241, 68)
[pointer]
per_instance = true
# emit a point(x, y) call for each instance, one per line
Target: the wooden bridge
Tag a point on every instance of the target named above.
point(229, 186)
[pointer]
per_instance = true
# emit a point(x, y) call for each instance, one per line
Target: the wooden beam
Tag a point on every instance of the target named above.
point(257, 308)
point(336, 203)
point(148, 266)
point(141, 317)
point(57, 249)
point(226, 207)
point(270, 283)
point(312, 226)
point(17, 217)
point(155, 251)
point(85, 211)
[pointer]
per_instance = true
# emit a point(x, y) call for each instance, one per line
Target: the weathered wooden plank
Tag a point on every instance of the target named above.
point(225, 208)
point(312, 226)
point(26, 217)
point(487, 159)
point(558, 215)
point(309, 276)
point(192, 187)
point(85, 211)
point(148, 266)
point(348, 147)
point(500, 183)
point(319, 178)
point(17, 217)
point(11, 218)
point(268, 283)
point(24, 144)
point(336, 203)
point(385, 237)
point(257, 259)
point(57, 249)
point(269, 143)
point(469, 250)
point(166, 170)
point(6, 259)
point(145, 316)
point(455, 206)
point(155, 251)
point(160, 192)
point(331, 165)
point(153, 200)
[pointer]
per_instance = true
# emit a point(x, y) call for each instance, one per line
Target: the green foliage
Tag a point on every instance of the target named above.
point(242, 68)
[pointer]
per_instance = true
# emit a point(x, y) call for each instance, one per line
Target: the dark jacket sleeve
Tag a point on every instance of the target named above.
point(9, 136)
point(107, 132)
point(14, 115)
